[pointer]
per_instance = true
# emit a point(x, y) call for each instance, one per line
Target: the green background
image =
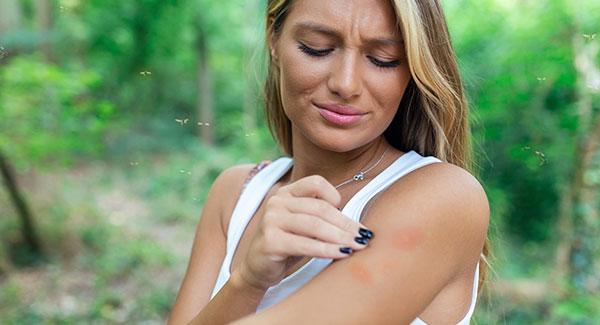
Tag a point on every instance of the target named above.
point(116, 117)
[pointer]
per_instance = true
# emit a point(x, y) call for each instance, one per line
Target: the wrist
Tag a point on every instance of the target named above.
point(240, 282)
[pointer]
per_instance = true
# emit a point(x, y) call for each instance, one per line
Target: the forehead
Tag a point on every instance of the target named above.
point(368, 17)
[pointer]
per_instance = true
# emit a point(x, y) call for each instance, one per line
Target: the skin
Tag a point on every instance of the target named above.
point(422, 260)
point(346, 75)
point(383, 284)
point(429, 226)
point(408, 238)
point(361, 273)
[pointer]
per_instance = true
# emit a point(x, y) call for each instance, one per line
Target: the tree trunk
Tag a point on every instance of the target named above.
point(10, 16)
point(205, 103)
point(27, 225)
point(43, 17)
point(578, 252)
point(10, 21)
point(584, 272)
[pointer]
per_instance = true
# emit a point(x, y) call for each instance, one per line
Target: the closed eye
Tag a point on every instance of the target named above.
point(320, 53)
point(384, 64)
point(313, 52)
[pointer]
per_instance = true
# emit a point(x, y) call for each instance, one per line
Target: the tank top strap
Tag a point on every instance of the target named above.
point(257, 168)
point(257, 184)
point(466, 320)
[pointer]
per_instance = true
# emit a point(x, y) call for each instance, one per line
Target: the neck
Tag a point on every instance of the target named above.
point(336, 167)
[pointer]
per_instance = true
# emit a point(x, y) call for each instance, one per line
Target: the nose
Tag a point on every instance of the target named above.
point(345, 78)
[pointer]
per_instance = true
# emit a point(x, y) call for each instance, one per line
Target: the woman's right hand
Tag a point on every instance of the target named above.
point(301, 219)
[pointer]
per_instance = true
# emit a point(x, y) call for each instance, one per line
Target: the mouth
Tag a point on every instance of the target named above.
point(341, 115)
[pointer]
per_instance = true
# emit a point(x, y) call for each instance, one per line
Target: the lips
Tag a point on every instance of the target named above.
point(341, 109)
point(340, 115)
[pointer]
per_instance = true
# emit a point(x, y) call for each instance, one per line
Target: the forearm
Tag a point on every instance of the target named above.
point(235, 300)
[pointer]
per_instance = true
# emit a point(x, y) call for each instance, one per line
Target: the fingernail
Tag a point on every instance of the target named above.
point(346, 250)
point(361, 240)
point(366, 233)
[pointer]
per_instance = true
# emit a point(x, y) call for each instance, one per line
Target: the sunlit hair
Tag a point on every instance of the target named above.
point(432, 118)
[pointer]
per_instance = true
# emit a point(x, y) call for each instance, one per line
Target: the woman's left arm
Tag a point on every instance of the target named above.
point(428, 226)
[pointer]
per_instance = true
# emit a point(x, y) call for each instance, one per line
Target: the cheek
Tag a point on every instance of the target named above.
point(299, 74)
point(297, 85)
point(387, 90)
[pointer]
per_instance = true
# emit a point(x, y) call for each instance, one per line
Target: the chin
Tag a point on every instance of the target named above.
point(336, 142)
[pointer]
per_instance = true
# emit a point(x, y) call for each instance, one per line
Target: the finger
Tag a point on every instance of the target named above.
point(316, 228)
point(295, 245)
point(314, 186)
point(324, 210)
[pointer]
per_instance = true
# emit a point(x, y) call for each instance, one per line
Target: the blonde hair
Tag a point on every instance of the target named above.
point(432, 118)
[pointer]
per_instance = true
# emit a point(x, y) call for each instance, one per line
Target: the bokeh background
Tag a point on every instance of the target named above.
point(116, 117)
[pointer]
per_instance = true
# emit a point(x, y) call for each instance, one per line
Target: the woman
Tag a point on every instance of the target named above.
point(373, 220)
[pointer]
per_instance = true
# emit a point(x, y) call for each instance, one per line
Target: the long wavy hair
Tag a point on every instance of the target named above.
point(432, 118)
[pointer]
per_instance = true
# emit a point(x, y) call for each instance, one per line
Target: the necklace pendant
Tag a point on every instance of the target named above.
point(359, 177)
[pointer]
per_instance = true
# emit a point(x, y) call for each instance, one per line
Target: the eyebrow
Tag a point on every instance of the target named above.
point(325, 30)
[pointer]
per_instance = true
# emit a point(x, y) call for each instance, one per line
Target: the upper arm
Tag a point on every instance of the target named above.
point(428, 226)
point(209, 246)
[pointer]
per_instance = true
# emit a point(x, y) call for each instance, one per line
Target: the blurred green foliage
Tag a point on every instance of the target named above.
point(116, 178)
point(49, 113)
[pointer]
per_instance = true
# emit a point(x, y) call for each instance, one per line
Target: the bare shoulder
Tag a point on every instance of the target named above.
point(442, 185)
point(443, 180)
point(450, 186)
point(234, 175)
point(228, 186)
point(446, 199)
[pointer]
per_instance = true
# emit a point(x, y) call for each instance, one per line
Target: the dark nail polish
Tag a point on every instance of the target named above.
point(366, 233)
point(346, 250)
point(361, 240)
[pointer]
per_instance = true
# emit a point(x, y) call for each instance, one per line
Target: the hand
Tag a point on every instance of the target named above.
point(300, 219)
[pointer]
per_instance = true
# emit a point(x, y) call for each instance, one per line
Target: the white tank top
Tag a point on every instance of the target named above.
point(255, 191)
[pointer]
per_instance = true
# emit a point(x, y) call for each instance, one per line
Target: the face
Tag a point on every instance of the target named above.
point(342, 70)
